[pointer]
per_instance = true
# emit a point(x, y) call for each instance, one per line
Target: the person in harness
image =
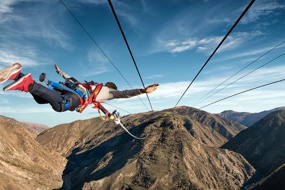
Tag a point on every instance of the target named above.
point(70, 95)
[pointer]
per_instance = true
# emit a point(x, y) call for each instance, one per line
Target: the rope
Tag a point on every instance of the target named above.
point(245, 75)
point(98, 47)
point(237, 21)
point(118, 22)
point(117, 107)
point(242, 92)
point(201, 99)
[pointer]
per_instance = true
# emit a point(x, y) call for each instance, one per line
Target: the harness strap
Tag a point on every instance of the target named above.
point(84, 104)
point(98, 106)
point(91, 99)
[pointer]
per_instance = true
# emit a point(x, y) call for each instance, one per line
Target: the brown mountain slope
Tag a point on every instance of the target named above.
point(35, 128)
point(174, 155)
point(24, 163)
point(262, 144)
point(209, 129)
point(273, 181)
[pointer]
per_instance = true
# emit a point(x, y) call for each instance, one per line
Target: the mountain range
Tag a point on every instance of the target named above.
point(182, 148)
point(262, 144)
point(246, 118)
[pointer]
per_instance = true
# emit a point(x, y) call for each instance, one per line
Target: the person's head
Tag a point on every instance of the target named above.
point(111, 85)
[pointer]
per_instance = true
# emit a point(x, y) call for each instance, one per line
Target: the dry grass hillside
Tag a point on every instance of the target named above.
point(35, 128)
point(24, 163)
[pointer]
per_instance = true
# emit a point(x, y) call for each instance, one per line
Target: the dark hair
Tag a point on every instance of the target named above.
point(111, 85)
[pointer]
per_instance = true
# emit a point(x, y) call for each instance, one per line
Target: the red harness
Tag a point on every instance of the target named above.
point(92, 99)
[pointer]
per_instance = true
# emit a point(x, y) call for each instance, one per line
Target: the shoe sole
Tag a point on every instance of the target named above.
point(6, 88)
point(6, 73)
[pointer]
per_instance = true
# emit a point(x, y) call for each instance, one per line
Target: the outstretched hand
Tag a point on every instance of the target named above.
point(151, 88)
point(57, 68)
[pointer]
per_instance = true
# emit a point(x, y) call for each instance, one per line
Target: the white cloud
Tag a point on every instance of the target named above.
point(182, 46)
point(98, 62)
point(253, 52)
point(208, 44)
point(154, 76)
point(8, 57)
point(262, 8)
point(168, 94)
point(43, 24)
point(26, 110)
point(54, 36)
point(97, 2)
point(5, 6)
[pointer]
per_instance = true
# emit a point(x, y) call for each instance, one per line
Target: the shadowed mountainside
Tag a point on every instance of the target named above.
point(179, 152)
point(273, 181)
point(24, 163)
point(262, 144)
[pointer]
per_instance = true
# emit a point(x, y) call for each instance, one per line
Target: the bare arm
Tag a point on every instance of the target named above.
point(134, 92)
point(61, 73)
point(125, 93)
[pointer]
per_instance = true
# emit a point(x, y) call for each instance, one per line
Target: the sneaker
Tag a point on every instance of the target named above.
point(22, 84)
point(42, 77)
point(10, 73)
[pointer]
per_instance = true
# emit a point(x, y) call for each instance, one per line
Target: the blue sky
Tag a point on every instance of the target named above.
point(170, 41)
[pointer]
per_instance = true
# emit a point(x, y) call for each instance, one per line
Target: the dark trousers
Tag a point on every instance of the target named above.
point(58, 102)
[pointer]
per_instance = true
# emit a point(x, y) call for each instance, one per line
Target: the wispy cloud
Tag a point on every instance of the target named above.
point(54, 36)
point(8, 57)
point(154, 76)
point(208, 44)
point(98, 62)
point(97, 2)
point(176, 47)
point(262, 8)
point(26, 110)
point(247, 53)
point(5, 6)
point(172, 91)
point(33, 26)
point(24, 36)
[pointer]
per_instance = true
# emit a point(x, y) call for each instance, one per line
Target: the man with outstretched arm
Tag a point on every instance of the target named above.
point(71, 95)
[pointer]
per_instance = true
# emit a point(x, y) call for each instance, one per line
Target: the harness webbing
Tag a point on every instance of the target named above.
point(91, 99)
point(84, 103)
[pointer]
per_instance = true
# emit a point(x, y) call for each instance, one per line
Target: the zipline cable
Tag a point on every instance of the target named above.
point(121, 29)
point(237, 21)
point(98, 46)
point(245, 75)
point(117, 107)
point(242, 92)
point(202, 99)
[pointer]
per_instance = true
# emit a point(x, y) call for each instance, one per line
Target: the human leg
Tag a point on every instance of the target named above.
point(59, 103)
point(44, 95)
